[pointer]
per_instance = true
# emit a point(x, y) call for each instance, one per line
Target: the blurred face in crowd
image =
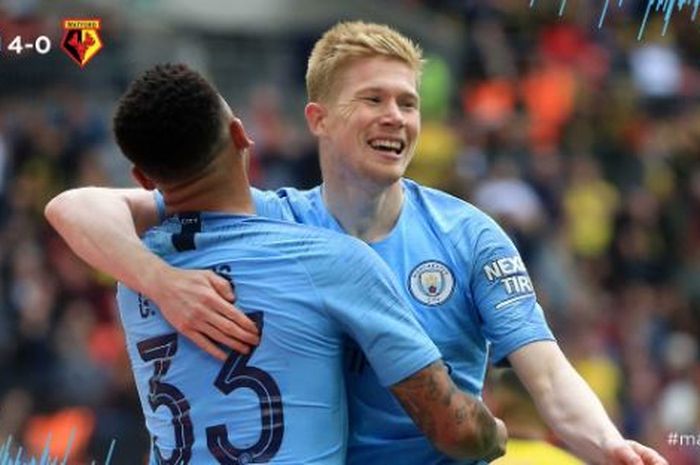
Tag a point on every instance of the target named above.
point(369, 125)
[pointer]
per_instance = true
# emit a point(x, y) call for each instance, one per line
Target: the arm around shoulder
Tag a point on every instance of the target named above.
point(101, 226)
point(78, 207)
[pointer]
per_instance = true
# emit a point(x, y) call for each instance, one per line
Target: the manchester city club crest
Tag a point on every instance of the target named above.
point(431, 283)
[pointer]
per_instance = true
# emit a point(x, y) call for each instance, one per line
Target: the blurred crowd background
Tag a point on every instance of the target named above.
point(584, 143)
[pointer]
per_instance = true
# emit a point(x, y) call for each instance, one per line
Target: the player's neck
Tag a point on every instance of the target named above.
point(366, 213)
point(221, 189)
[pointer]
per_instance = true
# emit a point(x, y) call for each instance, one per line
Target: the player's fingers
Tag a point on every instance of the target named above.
point(232, 312)
point(213, 306)
point(241, 325)
point(214, 333)
point(229, 325)
point(222, 286)
point(623, 454)
point(649, 456)
point(206, 345)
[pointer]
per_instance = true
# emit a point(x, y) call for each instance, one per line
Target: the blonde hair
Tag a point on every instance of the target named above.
point(350, 40)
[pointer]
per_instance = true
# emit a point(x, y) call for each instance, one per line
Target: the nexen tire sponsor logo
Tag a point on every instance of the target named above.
point(511, 273)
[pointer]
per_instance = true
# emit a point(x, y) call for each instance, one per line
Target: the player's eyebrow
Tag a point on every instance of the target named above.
point(376, 89)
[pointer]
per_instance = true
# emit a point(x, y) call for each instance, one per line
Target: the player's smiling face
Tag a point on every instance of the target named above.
point(373, 121)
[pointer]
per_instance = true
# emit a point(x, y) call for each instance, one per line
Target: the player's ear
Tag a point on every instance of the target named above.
point(315, 118)
point(142, 179)
point(238, 135)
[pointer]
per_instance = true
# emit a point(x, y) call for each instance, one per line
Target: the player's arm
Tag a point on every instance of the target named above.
point(515, 325)
point(101, 226)
point(457, 423)
point(572, 410)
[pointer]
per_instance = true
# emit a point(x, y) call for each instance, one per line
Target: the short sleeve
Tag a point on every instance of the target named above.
point(269, 204)
point(503, 292)
point(160, 205)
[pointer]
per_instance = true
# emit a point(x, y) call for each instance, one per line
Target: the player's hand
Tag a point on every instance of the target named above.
point(199, 304)
point(632, 453)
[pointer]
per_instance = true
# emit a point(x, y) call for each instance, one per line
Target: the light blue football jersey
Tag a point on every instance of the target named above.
point(468, 288)
point(285, 403)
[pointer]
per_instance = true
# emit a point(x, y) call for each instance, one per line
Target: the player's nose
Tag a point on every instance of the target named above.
point(392, 114)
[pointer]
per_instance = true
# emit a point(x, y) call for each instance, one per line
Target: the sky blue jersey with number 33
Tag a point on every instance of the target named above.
point(309, 291)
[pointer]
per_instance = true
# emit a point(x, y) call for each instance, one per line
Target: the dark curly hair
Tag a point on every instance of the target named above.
point(169, 123)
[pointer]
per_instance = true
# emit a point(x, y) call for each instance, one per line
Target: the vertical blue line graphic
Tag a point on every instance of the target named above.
point(603, 14)
point(111, 450)
point(68, 447)
point(44, 459)
point(45, 453)
point(668, 7)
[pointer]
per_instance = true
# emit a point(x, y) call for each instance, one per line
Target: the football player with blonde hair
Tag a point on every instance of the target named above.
point(355, 40)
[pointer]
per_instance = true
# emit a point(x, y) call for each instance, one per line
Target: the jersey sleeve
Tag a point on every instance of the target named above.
point(503, 292)
point(360, 293)
point(160, 205)
point(271, 205)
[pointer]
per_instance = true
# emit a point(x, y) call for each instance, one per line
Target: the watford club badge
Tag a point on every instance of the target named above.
point(81, 39)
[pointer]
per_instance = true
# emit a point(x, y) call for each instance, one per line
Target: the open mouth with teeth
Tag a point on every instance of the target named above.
point(387, 145)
